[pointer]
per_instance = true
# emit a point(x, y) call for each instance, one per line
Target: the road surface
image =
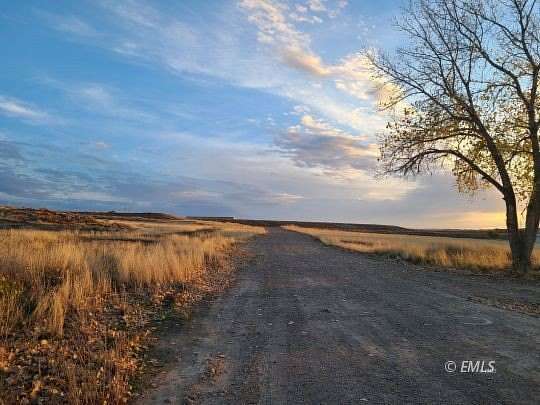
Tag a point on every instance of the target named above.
point(308, 323)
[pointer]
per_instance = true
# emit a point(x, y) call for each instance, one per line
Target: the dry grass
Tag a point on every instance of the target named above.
point(82, 299)
point(461, 253)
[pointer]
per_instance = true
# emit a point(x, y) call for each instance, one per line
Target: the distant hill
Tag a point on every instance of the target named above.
point(131, 215)
point(49, 219)
point(374, 228)
point(43, 218)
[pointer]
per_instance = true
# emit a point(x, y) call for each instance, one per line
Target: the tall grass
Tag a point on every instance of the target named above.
point(51, 281)
point(473, 254)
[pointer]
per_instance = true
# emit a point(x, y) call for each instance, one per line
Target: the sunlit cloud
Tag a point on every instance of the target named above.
point(315, 143)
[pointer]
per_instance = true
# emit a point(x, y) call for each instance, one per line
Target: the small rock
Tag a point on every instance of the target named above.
point(291, 323)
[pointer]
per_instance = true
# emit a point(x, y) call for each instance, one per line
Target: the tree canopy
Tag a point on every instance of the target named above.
point(468, 97)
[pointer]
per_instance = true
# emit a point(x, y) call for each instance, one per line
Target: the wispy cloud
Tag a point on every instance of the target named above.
point(10, 151)
point(101, 99)
point(70, 24)
point(285, 65)
point(101, 145)
point(12, 107)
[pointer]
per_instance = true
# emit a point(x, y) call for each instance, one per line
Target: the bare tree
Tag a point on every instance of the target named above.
point(469, 84)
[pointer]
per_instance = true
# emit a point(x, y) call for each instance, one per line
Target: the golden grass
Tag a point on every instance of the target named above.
point(461, 253)
point(51, 281)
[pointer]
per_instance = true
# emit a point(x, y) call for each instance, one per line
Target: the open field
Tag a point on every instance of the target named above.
point(461, 253)
point(77, 305)
point(494, 233)
point(96, 307)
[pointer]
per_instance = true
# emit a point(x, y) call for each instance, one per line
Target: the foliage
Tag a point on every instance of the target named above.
point(468, 101)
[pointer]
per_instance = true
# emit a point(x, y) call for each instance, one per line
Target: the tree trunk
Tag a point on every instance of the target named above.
point(522, 242)
point(521, 262)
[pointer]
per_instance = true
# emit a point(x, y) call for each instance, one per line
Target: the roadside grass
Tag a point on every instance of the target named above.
point(457, 253)
point(75, 305)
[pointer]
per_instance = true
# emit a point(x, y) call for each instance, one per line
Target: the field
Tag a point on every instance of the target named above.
point(78, 302)
point(460, 253)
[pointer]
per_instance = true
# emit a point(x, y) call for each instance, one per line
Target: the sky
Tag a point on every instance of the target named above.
point(245, 108)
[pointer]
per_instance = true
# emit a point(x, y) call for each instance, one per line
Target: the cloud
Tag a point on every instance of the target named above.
point(196, 195)
point(352, 75)
point(315, 143)
point(308, 62)
point(317, 5)
point(101, 99)
point(10, 151)
point(67, 178)
point(285, 65)
point(14, 108)
point(73, 25)
point(276, 29)
point(101, 145)
point(91, 196)
point(301, 17)
point(286, 198)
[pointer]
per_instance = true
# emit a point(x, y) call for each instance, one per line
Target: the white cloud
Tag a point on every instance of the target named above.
point(101, 99)
point(286, 198)
point(102, 145)
point(74, 25)
point(138, 31)
point(299, 17)
point(68, 24)
point(352, 75)
point(12, 107)
point(195, 195)
point(91, 196)
point(270, 18)
point(317, 5)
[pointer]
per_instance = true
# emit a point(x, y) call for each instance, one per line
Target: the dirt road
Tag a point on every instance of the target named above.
point(307, 323)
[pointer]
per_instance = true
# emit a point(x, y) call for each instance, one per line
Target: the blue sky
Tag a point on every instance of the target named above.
point(251, 108)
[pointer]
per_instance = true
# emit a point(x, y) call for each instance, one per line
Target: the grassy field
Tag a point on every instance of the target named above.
point(76, 305)
point(461, 253)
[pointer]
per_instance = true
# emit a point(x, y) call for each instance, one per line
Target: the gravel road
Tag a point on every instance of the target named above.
point(308, 323)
